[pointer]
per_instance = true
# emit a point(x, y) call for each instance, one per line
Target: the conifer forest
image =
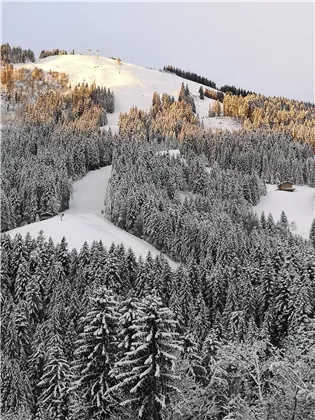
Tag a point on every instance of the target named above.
point(225, 332)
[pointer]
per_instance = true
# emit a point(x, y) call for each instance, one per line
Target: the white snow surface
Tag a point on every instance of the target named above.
point(299, 207)
point(85, 222)
point(172, 152)
point(221, 123)
point(132, 86)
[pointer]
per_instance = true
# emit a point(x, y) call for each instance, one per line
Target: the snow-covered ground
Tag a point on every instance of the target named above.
point(299, 207)
point(221, 123)
point(133, 85)
point(85, 222)
point(172, 152)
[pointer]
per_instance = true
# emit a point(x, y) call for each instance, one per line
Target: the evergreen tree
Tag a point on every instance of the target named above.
point(112, 278)
point(182, 93)
point(128, 315)
point(145, 374)
point(284, 220)
point(312, 233)
point(22, 279)
point(185, 299)
point(7, 218)
point(16, 393)
point(96, 354)
point(55, 382)
point(201, 93)
point(36, 365)
point(6, 284)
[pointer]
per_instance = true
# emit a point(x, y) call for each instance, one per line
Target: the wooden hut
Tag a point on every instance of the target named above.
point(286, 186)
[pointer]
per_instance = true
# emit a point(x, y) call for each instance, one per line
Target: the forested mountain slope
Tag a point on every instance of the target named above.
point(133, 85)
point(85, 222)
point(217, 321)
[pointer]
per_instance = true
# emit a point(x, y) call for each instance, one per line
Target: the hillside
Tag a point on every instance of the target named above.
point(298, 206)
point(207, 310)
point(85, 222)
point(132, 85)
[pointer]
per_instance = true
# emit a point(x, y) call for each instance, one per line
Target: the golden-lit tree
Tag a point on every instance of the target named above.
point(277, 113)
point(214, 109)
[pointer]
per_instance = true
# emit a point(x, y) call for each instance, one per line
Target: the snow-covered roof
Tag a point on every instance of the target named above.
point(285, 182)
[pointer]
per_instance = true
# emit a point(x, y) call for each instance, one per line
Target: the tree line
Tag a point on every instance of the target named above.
point(99, 334)
point(236, 91)
point(190, 76)
point(39, 164)
point(272, 156)
point(65, 334)
point(15, 55)
point(22, 86)
point(82, 108)
point(206, 82)
point(166, 121)
point(49, 53)
point(275, 113)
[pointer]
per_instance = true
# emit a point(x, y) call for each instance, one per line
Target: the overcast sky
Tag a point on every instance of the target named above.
point(264, 47)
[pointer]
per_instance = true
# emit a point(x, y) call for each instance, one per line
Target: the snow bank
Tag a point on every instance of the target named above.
point(299, 207)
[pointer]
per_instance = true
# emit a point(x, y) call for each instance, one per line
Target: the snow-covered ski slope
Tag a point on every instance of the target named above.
point(221, 123)
point(85, 222)
point(132, 85)
point(299, 207)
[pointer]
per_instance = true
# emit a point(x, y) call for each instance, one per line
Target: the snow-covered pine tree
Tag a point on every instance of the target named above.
point(36, 364)
point(130, 269)
point(112, 277)
point(9, 332)
point(22, 279)
point(145, 375)
point(281, 303)
point(312, 233)
point(6, 284)
point(96, 353)
point(185, 299)
point(16, 393)
point(301, 304)
point(201, 93)
point(284, 223)
point(182, 93)
point(7, 218)
point(128, 314)
point(55, 382)
point(144, 278)
point(62, 255)
point(199, 324)
point(19, 253)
